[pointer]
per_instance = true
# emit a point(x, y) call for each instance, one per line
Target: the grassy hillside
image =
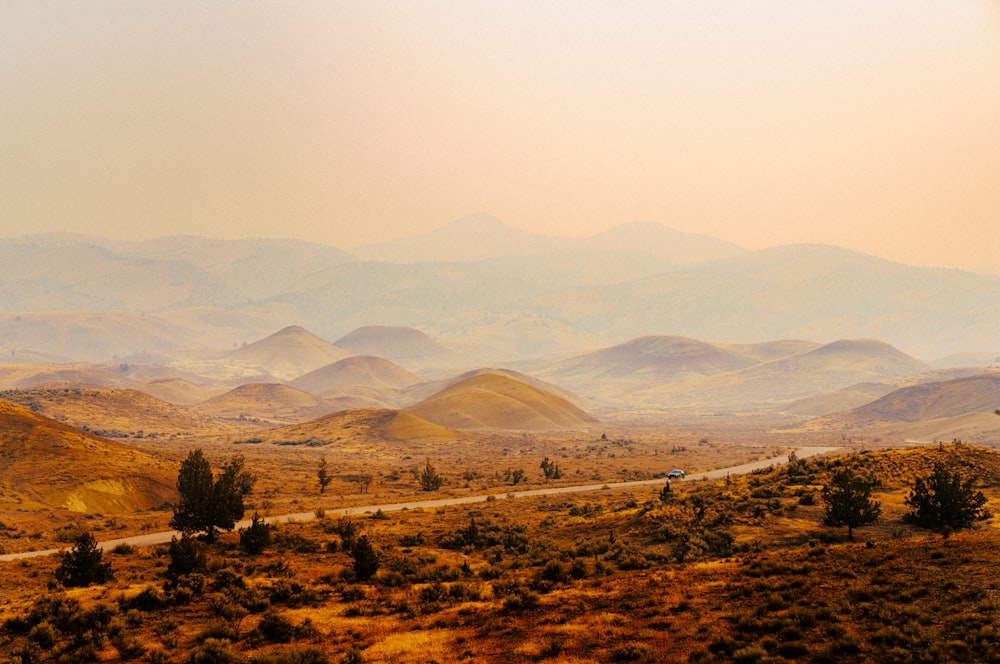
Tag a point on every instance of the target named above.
point(117, 413)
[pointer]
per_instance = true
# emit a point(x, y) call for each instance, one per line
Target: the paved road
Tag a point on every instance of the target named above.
point(163, 537)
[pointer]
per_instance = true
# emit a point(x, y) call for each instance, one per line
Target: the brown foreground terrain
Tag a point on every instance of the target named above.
point(741, 569)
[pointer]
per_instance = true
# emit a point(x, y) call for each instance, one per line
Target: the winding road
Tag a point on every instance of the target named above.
point(150, 539)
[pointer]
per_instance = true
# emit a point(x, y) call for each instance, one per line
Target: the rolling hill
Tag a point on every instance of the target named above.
point(80, 336)
point(769, 385)
point(496, 402)
point(176, 390)
point(973, 428)
point(361, 428)
point(424, 390)
point(929, 401)
point(111, 412)
point(833, 402)
point(30, 376)
point(405, 346)
point(647, 360)
point(264, 401)
point(343, 377)
point(47, 464)
point(771, 350)
point(287, 354)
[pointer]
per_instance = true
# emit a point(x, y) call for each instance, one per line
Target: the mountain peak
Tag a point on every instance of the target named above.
point(478, 222)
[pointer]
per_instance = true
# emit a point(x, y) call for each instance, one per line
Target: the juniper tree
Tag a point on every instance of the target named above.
point(430, 480)
point(323, 475)
point(849, 502)
point(208, 504)
point(943, 501)
point(82, 565)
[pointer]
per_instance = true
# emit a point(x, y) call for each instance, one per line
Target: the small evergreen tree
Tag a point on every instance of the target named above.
point(943, 501)
point(550, 469)
point(430, 480)
point(82, 565)
point(209, 505)
point(323, 475)
point(366, 559)
point(849, 502)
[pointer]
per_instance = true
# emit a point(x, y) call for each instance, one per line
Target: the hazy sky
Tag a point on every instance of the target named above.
point(871, 125)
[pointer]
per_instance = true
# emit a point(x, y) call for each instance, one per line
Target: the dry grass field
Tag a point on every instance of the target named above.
point(741, 569)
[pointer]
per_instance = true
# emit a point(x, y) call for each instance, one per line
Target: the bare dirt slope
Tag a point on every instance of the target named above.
point(964, 408)
point(48, 464)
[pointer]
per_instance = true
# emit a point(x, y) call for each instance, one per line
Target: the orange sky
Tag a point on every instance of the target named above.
point(871, 127)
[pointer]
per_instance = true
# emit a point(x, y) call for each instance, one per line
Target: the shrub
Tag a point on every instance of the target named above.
point(257, 537)
point(366, 560)
point(352, 656)
point(307, 655)
point(213, 651)
point(631, 652)
point(750, 654)
point(555, 571)
point(187, 557)
point(275, 628)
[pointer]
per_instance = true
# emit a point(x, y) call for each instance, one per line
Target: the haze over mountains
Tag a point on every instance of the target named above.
point(478, 327)
point(487, 293)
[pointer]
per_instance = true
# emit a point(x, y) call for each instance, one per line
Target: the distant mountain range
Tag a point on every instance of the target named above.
point(486, 293)
point(480, 237)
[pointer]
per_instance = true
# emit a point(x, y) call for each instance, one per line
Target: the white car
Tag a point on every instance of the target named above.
point(675, 474)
